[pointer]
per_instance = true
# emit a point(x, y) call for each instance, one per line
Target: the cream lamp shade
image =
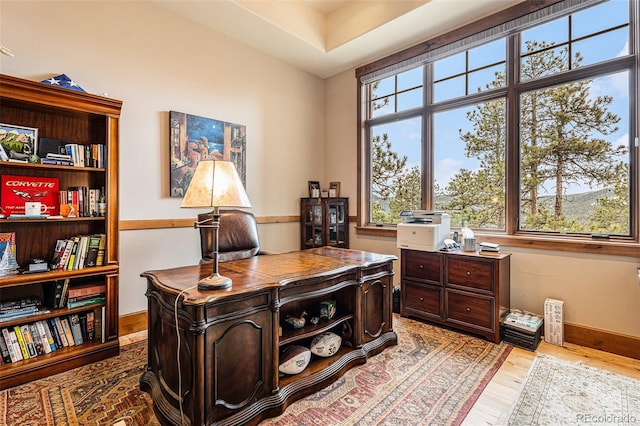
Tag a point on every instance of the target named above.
point(215, 184)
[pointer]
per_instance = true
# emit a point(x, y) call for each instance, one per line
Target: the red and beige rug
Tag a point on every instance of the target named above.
point(433, 376)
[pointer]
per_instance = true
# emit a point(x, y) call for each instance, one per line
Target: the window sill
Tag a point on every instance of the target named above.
point(610, 248)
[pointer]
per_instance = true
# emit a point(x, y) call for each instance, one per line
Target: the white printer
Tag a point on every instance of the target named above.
point(423, 230)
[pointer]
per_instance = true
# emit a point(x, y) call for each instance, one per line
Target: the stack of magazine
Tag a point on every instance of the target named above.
point(489, 248)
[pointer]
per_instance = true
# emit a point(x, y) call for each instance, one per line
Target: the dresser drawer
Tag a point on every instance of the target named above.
point(423, 298)
point(467, 272)
point(424, 266)
point(471, 310)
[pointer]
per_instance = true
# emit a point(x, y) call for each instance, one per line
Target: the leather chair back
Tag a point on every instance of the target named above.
point(237, 236)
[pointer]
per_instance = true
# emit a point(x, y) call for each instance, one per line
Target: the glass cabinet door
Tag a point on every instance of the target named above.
point(324, 222)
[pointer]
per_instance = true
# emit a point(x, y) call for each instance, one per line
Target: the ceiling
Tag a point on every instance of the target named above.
point(326, 37)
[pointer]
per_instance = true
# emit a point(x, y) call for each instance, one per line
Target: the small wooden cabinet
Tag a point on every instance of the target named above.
point(324, 222)
point(84, 119)
point(230, 340)
point(464, 290)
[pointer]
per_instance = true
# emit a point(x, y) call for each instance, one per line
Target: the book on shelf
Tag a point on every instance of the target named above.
point(72, 257)
point(64, 256)
point(89, 289)
point(7, 239)
point(35, 337)
point(90, 318)
point(56, 162)
point(60, 331)
point(21, 342)
point(76, 331)
point(25, 331)
point(54, 332)
point(13, 345)
point(100, 260)
point(48, 335)
point(17, 312)
point(66, 328)
point(52, 291)
point(4, 351)
point(92, 251)
point(78, 303)
point(99, 324)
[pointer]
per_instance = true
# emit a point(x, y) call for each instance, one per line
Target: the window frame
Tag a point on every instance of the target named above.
point(511, 236)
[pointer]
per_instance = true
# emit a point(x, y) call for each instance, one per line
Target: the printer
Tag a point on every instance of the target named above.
point(423, 230)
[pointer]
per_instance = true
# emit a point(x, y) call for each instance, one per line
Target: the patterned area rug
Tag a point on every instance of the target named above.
point(433, 376)
point(96, 394)
point(558, 392)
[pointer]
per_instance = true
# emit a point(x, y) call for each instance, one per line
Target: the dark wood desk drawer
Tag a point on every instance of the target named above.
point(422, 266)
point(423, 298)
point(471, 310)
point(472, 273)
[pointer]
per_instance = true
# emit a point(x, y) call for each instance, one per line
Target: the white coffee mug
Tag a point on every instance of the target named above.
point(34, 208)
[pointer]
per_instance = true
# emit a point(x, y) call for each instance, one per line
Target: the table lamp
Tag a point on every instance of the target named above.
point(215, 184)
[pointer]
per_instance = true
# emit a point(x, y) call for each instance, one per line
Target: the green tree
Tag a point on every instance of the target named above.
point(558, 146)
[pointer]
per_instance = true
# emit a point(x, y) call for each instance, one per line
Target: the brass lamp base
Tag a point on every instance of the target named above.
point(214, 281)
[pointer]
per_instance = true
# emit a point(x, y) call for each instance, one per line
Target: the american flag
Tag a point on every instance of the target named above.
point(63, 80)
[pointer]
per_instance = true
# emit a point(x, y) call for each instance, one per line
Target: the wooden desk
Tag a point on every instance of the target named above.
point(230, 339)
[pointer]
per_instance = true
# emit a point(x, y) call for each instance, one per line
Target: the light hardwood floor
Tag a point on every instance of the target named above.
point(494, 405)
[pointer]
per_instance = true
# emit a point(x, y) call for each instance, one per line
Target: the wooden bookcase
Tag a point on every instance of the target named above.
point(324, 222)
point(80, 118)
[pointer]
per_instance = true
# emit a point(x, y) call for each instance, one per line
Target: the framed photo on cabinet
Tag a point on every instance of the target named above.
point(334, 189)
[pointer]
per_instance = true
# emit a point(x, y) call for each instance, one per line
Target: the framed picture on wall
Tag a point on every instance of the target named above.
point(193, 138)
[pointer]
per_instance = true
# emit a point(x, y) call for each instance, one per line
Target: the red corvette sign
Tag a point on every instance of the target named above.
point(17, 190)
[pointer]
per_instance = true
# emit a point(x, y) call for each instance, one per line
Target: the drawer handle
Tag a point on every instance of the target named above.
point(468, 309)
point(422, 299)
point(421, 266)
point(468, 273)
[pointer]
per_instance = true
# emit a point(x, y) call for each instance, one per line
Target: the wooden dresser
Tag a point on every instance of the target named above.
point(463, 290)
point(230, 339)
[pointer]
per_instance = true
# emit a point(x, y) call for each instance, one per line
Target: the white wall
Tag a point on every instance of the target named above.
point(156, 62)
point(599, 291)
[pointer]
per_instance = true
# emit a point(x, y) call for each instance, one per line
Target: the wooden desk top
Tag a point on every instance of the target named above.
point(262, 272)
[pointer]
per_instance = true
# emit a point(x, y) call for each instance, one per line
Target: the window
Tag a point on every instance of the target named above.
point(528, 132)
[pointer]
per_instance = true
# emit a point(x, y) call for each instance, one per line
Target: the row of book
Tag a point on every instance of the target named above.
point(34, 339)
point(79, 252)
point(78, 155)
point(86, 199)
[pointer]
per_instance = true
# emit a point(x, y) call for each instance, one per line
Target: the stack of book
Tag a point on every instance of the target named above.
point(19, 308)
point(57, 159)
point(87, 294)
point(489, 248)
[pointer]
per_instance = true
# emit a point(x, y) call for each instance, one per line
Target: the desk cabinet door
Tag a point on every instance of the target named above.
point(376, 303)
point(239, 352)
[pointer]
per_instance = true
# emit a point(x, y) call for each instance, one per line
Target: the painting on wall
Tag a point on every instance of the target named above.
point(193, 138)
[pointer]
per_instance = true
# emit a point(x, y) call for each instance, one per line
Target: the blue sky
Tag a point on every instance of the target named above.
point(449, 157)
